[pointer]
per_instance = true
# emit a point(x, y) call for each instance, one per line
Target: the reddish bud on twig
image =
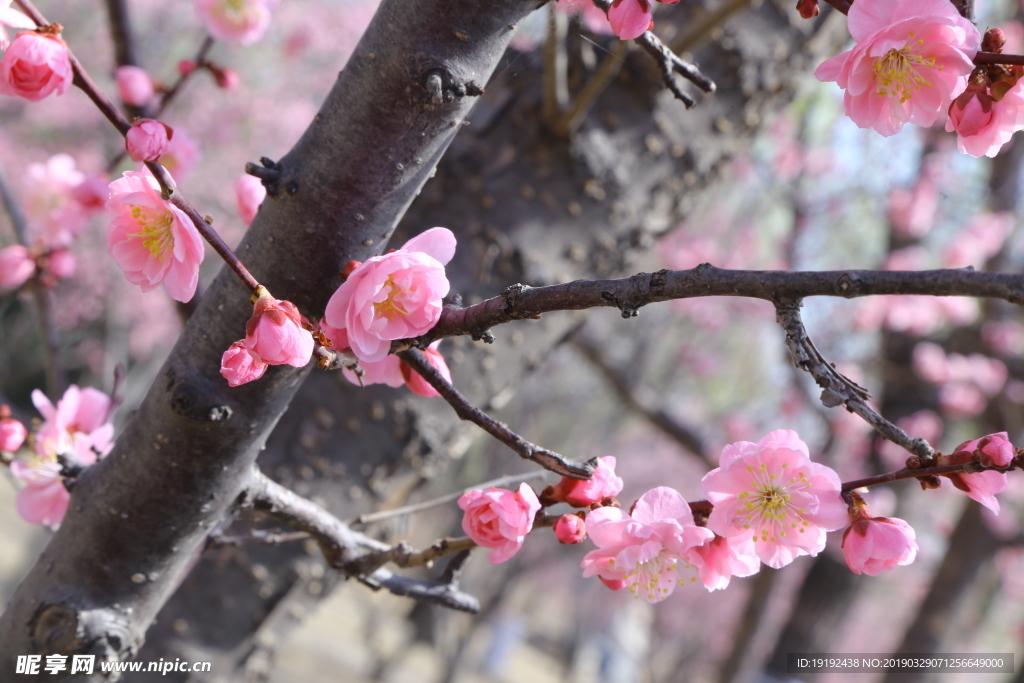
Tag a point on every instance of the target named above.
point(993, 41)
point(808, 9)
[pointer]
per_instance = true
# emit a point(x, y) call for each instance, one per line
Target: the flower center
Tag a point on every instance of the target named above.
point(653, 578)
point(767, 505)
point(391, 307)
point(897, 75)
point(156, 230)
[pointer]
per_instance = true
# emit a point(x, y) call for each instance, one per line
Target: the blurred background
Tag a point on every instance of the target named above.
point(767, 174)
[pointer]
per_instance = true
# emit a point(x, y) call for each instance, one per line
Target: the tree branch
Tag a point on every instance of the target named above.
point(499, 430)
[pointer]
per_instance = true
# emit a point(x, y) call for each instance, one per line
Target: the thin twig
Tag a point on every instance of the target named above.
point(700, 28)
point(556, 92)
point(261, 536)
point(172, 92)
point(520, 302)
point(983, 58)
point(121, 33)
point(13, 209)
point(499, 430)
point(837, 389)
point(595, 85)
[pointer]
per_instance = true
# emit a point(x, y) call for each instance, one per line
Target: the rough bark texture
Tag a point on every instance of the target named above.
point(183, 462)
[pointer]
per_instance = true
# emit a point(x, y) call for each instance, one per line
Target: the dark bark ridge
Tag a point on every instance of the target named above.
point(184, 461)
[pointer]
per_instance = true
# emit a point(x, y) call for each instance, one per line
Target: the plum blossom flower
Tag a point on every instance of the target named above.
point(875, 544)
point(651, 550)
point(583, 493)
point(147, 139)
point(277, 334)
point(771, 493)
point(35, 66)
point(134, 86)
point(236, 21)
point(499, 519)
point(570, 529)
point(985, 121)
point(415, 381)
point(994, 450)
point(723, 559)
point(16, 266)
point(911, 59)
point(61, 264)
point(150, 239)
point(630, 18)
point(393, 296)
point(249, 194)
point(13, 18)
point(238, 366)
point(77, 428)
point(12, 432)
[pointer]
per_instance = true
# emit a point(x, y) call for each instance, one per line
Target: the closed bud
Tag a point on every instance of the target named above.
point(808, 9)
point(570, 529)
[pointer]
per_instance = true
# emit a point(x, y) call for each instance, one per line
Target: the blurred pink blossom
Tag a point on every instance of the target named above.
point(652, 549)
point(166, 248)
point(16, 266)
point(582, 493)
point(393, 296)
point(772, 492)
point(147, 140)
point(499, 519)
point(35, 66)
point(912, 211)
point(236, 21)
point(134, 86)
point(42, 498)
point(13, 18)
point(415, 381)
point(570, 529)
point(1005, 337)
point(911, 59)
point(277, 334)
point(723, 559)
point(979, 241)
point(60, 263)
point(875, 544)
point(249, 194)
point(594, 19)
point(181, 156)
point(12, 434)
point(238, 366)
point(55, 213)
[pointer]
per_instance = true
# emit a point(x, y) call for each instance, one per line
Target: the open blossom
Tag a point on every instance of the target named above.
point(13, 18)
point(583, 493)
point(16, 266)
point(134, 86)
point(77, 428)
point(277, 334)
point(983, 123)
point(415, 381)
point(911, 59)
point(147, 139)
point(249, 194)
point(150, 239)
point(875, 544)
point(35, 66)
point(238, 366)
point(499, 519)
point(651, 550)
point(993, 450)
point(723, 558)
point(393, 296)
point(236, 21)
point(772, 493)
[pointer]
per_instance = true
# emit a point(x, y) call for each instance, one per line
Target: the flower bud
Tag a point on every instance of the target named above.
point(808, 9)
point(238, 366)
point(12, 434)
point(277, 333)
point(134, 86)
point(971, 111)
point(147, 140)
point(186, 67)
point(16, 266)
point(570, 529)
point(993, 40)
point(61, 264)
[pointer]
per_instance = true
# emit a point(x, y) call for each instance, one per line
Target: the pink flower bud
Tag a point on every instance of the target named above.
point(61, 264)
point(570, 529)
point(35, 66)
point(236, 22)
point(808, 9)
point(994, 450)
point(226, 78)
point(277, 333)
point(238, 366)
point(147, 140)
point(134, 86)
point(630, 18)
point(875, 544)
point(993, 40)
point(12, 434)
point(415, 381)
point(499, 519)
point(580, 493)
point(971, 111)
point(186, 67)
point(249, 194)
point(16, 266)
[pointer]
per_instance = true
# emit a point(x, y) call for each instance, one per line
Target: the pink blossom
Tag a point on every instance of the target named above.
point(181, 156)
point(570, 529)
point(630, 18)
point(277, 334)
point(56, 214)
point(42, 498)
point(875, 544)
point(651, 550)
point(393, 296)
point(499, 519)
point(723, 559)
point(12, 434)
point(772, 493)
point(994, 450)
point(147, 139)
point(249, 194)
point(78, 426)
point(593, 17)
point(912, 212)
point(582, 493)
point(14, 19)
point(236, 21)
point(150, 239)
point(134, 86)
point(238, 366)
point(980, 486)
point(388, 370)
point(35, 66)
point(61, 264)
point(91, 193)
point(415, 381)
point(980, 240)
point(16, 266)
point(984, 124)
point(1005, 337)
point(911, 59)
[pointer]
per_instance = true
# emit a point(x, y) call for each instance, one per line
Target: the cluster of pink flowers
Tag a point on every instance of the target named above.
point(276, 334)
point(966, 383)
point(78, 429)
